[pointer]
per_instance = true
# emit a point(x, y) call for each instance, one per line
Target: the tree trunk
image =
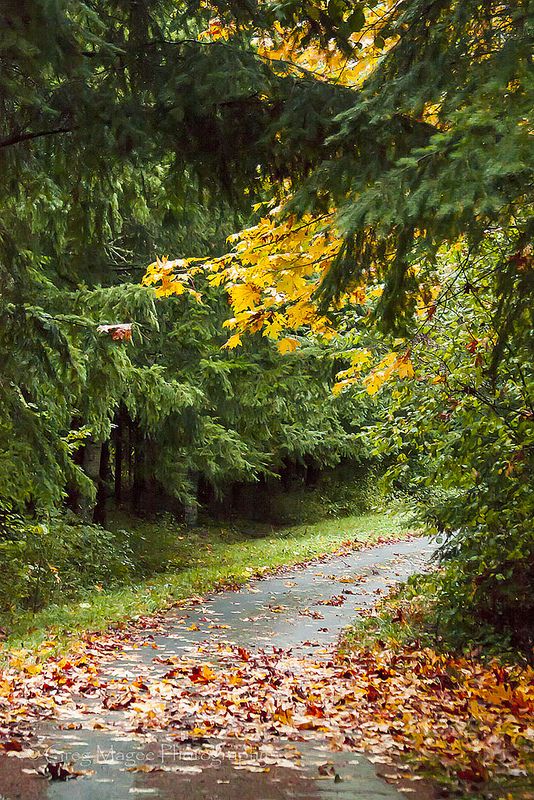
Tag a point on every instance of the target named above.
point(118, 441)
point(139, 480)
point(74, 496)
point(191, 508)
point(92, 454)
point(99, 512)
point(131, 445)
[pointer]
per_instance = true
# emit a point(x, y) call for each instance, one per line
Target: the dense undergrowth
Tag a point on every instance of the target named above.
point(415, 614)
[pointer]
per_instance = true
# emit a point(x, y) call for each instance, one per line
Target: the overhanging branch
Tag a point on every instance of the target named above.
point(25, 137)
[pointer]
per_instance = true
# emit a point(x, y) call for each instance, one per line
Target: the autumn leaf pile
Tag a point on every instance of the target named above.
point(475, 719)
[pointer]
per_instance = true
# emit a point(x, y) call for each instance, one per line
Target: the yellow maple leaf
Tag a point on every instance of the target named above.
point(233, 341)
point(374, 382)
point(244, 296)
point(360, 358)
point(340, 385)
point(169, 286)
point(287, 345)
point(405, 368)
point(274, 328)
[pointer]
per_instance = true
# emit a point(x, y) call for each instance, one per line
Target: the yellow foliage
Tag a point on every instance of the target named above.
point(287, 345)
point(274, 267)
point(173, 277)
point(233, 341)
point(405, 368)
point(289, 50)
point(340, 385)
point(243, 296)
point(391, 364)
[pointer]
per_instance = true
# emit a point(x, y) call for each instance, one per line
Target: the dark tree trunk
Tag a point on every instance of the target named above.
point(118, 441)
point(139, 478)
point(313, 473)
point(99, 512)
point(73, 500)
point(131, 445)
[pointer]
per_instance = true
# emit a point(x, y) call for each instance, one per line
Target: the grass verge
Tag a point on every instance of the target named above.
point(196, 562)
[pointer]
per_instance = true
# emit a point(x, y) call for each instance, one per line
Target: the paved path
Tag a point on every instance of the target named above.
point(273, 612)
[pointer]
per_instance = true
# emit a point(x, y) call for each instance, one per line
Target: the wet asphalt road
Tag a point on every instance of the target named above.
point(272, 612)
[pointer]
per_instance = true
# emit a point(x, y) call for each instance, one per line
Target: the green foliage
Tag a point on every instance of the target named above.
point(460, 437)
point(42, 563)
point(167, 135)
point(436, 145)
point(350, 488)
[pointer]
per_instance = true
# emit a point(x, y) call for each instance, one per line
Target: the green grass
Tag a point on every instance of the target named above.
point(196, 562)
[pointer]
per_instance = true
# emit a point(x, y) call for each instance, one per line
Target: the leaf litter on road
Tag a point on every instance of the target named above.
point(474, 718)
